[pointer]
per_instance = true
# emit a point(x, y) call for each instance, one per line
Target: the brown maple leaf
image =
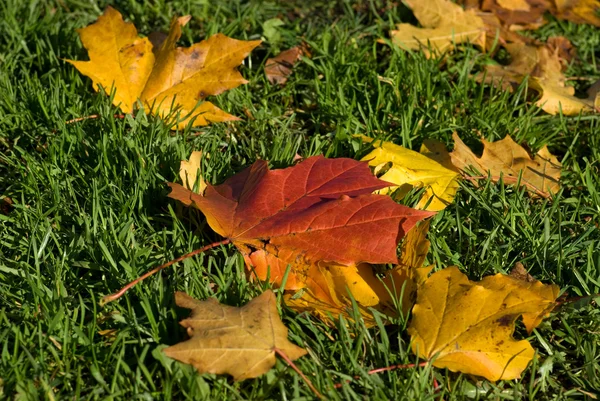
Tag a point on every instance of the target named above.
point(165, 77)
point(506, 160)
point(241, 341)
point(518, 14)
point(318, 210)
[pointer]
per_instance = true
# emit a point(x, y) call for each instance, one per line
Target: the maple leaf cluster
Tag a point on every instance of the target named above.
point(318, 227)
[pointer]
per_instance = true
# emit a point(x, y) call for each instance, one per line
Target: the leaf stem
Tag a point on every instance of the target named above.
point(575, 299)
point(113, 297)
point(387, 368)
point(91, 117)
point(293, 366)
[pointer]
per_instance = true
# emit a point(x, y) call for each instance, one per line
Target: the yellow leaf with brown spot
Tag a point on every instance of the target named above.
point(444, 25)
point(508, 161)
point(165, 78)
point(467, 327)
point(225, 339)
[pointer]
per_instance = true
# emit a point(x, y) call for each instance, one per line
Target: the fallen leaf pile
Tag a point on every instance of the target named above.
point(445, 25)
point(483, 23)
point(529, 14)
point(329, 287)
point(164, 75)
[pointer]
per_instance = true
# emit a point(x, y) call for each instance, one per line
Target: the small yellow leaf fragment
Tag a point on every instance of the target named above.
point(445, 24)
point(514, 5)
point(240, 341)
point(191, 173)
point(467, 327)
point(407, 169)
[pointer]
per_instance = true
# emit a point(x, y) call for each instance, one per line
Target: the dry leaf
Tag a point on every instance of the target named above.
point(318, 210)
point(520, 273)
point(6, 205)
point(549, 80)
point(445, 25)
point(163, 77)
point(241, 341)
point(467, 327)
point(546, 61)
point(578, 11)
point(528, 14)
point(518, 14)
point(328, 286)
point(559, 98)
point(514, 5)
point(510, 161)
point(279, 68)
point(543, 66)
point(408, 169)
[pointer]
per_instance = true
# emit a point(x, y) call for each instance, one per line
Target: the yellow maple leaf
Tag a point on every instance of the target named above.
point(407, 169)
point(329, 287)
point(166, 77)
point(506, 159)
point(445, 24)
point(467, 327)
point(241, 341)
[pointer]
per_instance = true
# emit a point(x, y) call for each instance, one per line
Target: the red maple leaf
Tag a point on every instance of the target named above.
point(319, 210)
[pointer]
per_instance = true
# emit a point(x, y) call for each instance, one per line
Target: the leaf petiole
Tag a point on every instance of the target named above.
point(113, 297)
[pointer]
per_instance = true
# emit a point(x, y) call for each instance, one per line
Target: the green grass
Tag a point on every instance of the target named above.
point(90, 211)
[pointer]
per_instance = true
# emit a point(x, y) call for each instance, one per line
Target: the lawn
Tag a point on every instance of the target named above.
point(90, 211)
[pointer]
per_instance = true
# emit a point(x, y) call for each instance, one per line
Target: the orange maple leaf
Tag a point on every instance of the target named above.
point(163, 77)
point(318, 210)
